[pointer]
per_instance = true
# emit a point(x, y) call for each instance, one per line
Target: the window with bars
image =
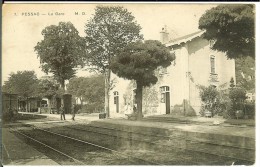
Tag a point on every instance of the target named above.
point(212, 65)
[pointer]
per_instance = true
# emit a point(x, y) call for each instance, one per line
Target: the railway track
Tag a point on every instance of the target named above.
point(129, 136)
point(67, 157)
point(114, 135)
point(63, 157)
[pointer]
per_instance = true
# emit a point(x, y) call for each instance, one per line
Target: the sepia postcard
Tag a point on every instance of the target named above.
point(128, 84)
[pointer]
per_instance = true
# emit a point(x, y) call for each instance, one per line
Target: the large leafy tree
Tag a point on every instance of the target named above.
point(138, 61)
point(107, 32)
point(23, 83)
point(232, 27)
point(61, 51)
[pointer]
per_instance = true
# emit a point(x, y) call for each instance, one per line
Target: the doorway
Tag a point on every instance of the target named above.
point(116, 101)
point(165, 98)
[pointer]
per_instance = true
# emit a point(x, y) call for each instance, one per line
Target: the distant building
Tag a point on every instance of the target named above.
point(177, 90)
point(30, 104)
point(250, 96)
point(9, 101)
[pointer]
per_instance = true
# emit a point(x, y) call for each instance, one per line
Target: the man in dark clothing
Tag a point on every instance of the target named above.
point(73, 112)
point(62, 112)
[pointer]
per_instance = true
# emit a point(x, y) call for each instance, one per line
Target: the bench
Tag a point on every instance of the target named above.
point(208, 114)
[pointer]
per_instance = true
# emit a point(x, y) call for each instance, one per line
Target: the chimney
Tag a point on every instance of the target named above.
point(164, 35)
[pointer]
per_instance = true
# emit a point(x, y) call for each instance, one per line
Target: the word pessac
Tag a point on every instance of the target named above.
point(31, 14)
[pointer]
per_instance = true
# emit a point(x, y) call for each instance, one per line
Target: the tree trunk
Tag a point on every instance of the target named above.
point(107, 89)
point(63, 85)
point(139, 99)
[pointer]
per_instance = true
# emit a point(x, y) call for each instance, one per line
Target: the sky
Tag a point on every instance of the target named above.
point(21, 31)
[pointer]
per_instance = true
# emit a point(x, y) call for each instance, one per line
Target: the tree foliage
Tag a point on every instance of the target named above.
point(75, 89)
point(47, 87)
point(138, 61)
point(237, 95)
point(245, 73)
point(110, 30)
point(232, 27)
point(94, 91)
point(208, 94)
point(212, 100)
point(61, 51)
point(232, 83)
point(107, 32)
point(23, 83)
point(88, 89)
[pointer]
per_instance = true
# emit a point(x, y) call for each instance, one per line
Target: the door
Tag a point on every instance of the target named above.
point(167, 102)
point(165, 98)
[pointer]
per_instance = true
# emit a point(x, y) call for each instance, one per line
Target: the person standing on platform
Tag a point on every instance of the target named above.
point(73, 111)
point(62, 112)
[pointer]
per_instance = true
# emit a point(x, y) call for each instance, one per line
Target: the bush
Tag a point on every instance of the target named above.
point(250, 110)
point(91, 108)
point(190, 112)
point(211, 101)
point(177, 109)
point(229, 113)
point(237, 95)
point(9, 116)
point(237, 103)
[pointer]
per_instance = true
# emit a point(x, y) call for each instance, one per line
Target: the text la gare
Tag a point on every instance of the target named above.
point(56, 14)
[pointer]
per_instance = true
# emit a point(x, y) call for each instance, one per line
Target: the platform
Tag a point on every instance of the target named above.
point(16, 152)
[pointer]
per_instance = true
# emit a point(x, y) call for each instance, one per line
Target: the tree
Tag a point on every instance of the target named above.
point(94, 89)
point(76, 88)
point(107, 32)
point(61, 51)
point(23, 83)
point(232, 27)
point(88, 89)
point(47, 87)
point(138, 61)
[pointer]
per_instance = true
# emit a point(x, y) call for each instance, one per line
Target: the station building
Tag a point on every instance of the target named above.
point(177, 89)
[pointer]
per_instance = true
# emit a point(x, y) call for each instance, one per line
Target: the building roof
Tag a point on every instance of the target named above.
point(185, 38)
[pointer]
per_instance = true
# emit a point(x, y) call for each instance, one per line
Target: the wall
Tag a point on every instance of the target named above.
point(176, 78)
point(124, 89)
point(200, 68)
